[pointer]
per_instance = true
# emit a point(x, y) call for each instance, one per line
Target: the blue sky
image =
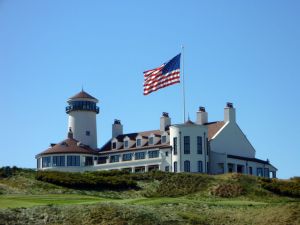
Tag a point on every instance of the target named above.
point(245, 52)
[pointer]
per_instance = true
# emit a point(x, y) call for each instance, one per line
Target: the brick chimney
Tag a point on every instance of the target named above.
point(202, 116)
point(117, 128)
point(165, 121)
point(229, 113)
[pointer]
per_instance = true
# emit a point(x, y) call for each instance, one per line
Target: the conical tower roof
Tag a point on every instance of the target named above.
point(83, 94)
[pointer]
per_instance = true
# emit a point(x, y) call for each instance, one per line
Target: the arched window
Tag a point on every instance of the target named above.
point(175, 167)
point(187, 166)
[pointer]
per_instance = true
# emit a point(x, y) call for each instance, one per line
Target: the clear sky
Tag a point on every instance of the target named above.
point(245, 52)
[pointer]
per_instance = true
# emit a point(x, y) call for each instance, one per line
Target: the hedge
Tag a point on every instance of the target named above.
point(87, 180)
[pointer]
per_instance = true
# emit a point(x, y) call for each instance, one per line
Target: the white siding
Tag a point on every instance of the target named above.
point(80, 122)
point(232, 141)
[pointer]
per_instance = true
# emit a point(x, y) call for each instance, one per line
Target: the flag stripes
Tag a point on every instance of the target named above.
point(163, 76)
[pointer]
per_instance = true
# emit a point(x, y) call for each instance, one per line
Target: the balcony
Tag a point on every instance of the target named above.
point(82, 108)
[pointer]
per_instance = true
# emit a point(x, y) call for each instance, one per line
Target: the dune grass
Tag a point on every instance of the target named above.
point(160, 199)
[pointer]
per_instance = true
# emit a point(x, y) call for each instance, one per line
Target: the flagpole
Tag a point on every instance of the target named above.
point(183, 86)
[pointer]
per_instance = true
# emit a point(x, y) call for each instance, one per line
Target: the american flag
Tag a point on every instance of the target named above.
point(163, 76)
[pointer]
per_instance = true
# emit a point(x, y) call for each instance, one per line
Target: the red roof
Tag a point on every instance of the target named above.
point(83, 94)
point(69, 145)
point(132, 136)
point(213, 128)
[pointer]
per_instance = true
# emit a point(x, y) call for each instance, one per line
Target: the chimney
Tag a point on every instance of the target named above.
point(202, 116)
point(165, 121)
point(229, 113)
point(117, 128)
point(70, 133)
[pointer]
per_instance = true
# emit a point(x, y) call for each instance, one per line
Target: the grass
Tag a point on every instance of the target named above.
point(180, 199)
point(17, 201)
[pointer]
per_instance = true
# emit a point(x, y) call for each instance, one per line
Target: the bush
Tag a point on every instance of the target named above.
point(182, 184)
point(296, 179)
point(87, 180)
point(149, 176)
point(7, 171)
point(227, 190)
point(282, 187)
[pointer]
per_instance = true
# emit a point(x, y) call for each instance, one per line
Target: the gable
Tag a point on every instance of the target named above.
point(231, 140)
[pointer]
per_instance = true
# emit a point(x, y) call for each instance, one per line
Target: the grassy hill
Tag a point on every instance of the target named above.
point(150, 198)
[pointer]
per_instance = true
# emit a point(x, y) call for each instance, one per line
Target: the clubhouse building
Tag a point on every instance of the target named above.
point(194, 146)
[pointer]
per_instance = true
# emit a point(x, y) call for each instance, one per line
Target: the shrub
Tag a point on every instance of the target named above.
point(296, 179)
point(282, 187)
point(87, 180)
point(227, 190)
point(7, 171)
point(182, 184)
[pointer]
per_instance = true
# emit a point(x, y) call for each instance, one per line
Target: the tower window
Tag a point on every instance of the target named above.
point(175, 145)
point(199, 145)
point(187, 166)
point(87, 133)
point(186, 141)
point(200, 167)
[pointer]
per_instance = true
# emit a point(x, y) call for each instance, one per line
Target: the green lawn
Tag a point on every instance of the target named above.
point(17, 201)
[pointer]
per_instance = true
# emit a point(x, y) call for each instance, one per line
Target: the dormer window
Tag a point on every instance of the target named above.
point(163, 139)
point(138, 142)
point(114, 145)
point(150, 140)
point(125, 144)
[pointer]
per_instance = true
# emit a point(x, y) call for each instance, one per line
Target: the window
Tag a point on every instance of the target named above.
point(187, 166)
point(259, 172)
point(200, 167)
point(267, 173)
point(38, 163)
point(73, 160)
point(127, 157)
point(207, 167)
point(207, 146)
point(167, 168)
point(87, 133)
point(175, 167)
point(114, 158)
point(199, 145)
point(114, 145)
point(138, 142)
point(79, 105)
point(250, 170)
point(139, 155)
point(125, 144)
point(186, 141)
point(101, 160)
point(46, 161)
point(163, 139)
point(89, 161)
point(153, 154)
point(150, 140)
point(139, 169)
point(175, 145)
point(58, 161)
point(153, 168)
point(167, 154)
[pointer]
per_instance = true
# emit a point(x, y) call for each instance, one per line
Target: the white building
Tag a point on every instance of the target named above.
point(198, 147)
